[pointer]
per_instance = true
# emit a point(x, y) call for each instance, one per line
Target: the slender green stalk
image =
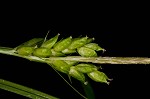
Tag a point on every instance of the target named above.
point(88, 90)
point(99, 60)
point(24, 91)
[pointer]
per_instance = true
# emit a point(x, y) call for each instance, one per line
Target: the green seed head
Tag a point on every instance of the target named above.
point(51, 47)
point(50, 43)
point(76, 74)
point(62, 44)
point(86, 52)
point(42, 52)
point(85, 68)
point(25, 50)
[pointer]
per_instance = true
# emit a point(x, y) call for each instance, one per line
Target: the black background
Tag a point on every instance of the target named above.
point(122, 30)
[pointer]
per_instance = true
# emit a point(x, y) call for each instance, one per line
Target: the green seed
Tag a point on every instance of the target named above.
point(76, 74)
point(69, 51)
point(89, 40)
point(54, 53)
point(31, 43)
point(86, 52)
point(63, 44)
point(61, 66)
point(50, 43)
point(85, 68)
point(25, 50)
point(78, 43)
point(98, 77)
point(42, 52)
point(94, 46)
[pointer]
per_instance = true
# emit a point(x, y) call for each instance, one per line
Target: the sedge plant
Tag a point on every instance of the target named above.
point(57, 53)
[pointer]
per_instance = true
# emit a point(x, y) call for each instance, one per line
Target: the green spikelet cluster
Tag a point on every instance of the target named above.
point(54, 48)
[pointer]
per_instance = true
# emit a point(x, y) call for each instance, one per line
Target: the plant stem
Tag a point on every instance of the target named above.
point(99, 60)
point(24, 91)
point(105, 60)
point(88, 90)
